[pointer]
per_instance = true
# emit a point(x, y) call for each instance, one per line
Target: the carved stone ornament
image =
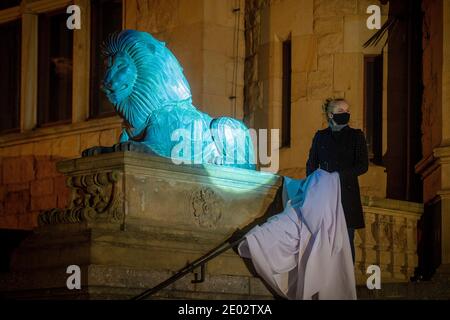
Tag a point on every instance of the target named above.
point(95, 197)
point(206, 207)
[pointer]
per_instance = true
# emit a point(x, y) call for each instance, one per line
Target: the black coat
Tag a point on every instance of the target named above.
point(343, 151)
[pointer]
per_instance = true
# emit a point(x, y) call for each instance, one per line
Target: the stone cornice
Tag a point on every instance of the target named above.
point(59, 131)
point(430, 163)
point(143, 164)
point(444, 194)
point(392, 206)
point(427, 165)
point(46, 5)
point(442, 153)
point(35, 7)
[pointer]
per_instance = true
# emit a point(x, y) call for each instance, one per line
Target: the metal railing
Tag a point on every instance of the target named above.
point(200, 262)
point(237, 237)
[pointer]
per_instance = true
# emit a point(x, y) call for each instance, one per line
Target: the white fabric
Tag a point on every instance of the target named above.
point(305, 250)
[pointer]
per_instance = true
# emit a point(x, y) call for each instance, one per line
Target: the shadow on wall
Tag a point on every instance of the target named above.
point(9, 240)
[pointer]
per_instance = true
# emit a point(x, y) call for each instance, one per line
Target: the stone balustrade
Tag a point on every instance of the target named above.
point(389, 239)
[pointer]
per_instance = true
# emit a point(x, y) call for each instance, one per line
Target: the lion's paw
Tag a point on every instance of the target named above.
point(218, 161)
point(96, 150)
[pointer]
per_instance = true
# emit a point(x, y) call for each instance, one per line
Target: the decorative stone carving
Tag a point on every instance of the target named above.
point(400, 233)
point(371, 236)
point(94, 197)
point(385, 232)
point(206, 207)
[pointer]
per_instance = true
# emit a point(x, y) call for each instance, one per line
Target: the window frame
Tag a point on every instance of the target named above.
point(61, 121)
point(286, 93)
point(375, 156)
point(94, 106)
point(5, 20)
point(28, 129)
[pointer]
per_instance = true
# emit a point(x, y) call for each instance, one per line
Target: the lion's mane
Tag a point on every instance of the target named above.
point(159, 81)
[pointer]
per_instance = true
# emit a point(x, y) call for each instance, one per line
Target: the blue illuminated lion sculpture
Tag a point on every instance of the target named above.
point(147, 87)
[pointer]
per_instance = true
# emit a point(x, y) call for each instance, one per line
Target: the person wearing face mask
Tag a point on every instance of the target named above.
point(340, 148)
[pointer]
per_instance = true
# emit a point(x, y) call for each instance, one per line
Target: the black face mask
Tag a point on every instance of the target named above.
point(341, 118)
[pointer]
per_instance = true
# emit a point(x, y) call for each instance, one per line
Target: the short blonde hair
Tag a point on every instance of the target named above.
point(330, 103)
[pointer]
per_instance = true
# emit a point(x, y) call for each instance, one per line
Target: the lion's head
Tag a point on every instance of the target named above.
point(142, 76)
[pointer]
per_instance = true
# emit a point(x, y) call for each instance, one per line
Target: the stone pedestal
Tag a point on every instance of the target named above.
point(133, 221)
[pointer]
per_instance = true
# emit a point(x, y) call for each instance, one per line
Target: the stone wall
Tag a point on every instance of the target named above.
point(30, 184)
point(203, 35)
point(29, 181)
point(432, 76)
point(435, 164)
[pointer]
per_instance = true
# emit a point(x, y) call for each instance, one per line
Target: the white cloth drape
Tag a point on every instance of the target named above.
point(305, 250)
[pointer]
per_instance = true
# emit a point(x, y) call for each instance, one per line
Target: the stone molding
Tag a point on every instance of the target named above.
point(54, 132)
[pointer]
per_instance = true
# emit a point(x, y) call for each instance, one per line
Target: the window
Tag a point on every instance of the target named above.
point(373, 109)
point(54, 69)
point(106, 18)
point(5, 4)
point(10, 59)
point(286, 94)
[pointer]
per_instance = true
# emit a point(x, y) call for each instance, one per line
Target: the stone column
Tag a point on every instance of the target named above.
point(443, 152)
point(81, 58)
point(443, 156)
point(28, 90)
point(435, 165)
